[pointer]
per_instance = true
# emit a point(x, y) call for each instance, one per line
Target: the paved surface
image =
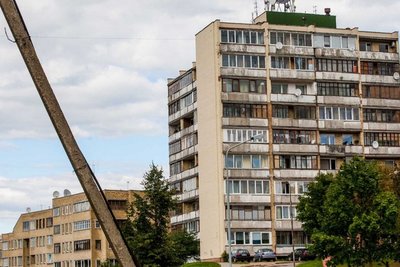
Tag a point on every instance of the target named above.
point(260, 264)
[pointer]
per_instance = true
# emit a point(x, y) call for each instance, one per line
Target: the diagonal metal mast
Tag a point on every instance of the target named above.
point(85, 176)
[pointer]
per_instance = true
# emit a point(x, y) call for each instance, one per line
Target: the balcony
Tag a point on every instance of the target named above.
point(292, 50)
point(287, 122)
point(336, 53)
point(291, 98)
point(182, 112)
point(188, 195)
point(285, 199)
point(295, 173)
point(184, 153)
point(178, 135)
point(378, 102)
point(366, 78)
point(243, 97)
point(338, 76)
point(332, 149)
point(353, 149)
point(185, 217)
point(242, 48)
point(257, 148)
point(291, 74)
point(286, 225)
point(246, 173)
point(379, 56)
point(265, 199)
point(381, 126)
point(338, 124)
point(334, 172)
point(249, 224)
point(185, 174)
point(383, 150)
point(248, 122)
point(345, 100)
point(182, 92)
point(226, 71)
point(304, 148)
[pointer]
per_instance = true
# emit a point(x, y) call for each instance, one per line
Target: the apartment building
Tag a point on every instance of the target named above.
point(66, 235)
point(318, 94)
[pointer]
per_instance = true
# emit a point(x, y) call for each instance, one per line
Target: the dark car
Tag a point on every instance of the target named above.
point(301, 254)
point(264, 254)
point(241, 255)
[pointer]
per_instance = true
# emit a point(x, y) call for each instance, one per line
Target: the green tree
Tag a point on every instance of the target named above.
point(147, 228)
point(352, 217)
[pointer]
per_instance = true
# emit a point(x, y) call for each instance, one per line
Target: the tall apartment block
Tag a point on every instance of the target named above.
point(66, 235)
point(319, 94)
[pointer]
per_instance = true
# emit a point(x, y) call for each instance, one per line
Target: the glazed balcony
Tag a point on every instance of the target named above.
point(381, 126)
point(242, 48)
point(337, 76)
point(336, 53)
point(339, 124)
point(345, 100)
point(291, 74)
point(226, 71)
point(383, 150)
point(295, 173)
point(291, 98)
point(248, 122)
point(379, 56)
point(244, 97)
point(288, 122)
point(304, 148)
point(292, 50)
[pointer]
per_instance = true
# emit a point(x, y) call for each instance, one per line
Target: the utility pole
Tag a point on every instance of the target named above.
point(82, 169)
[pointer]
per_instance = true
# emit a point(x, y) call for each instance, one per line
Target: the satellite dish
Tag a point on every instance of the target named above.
point(56, 194)
point(67, 192)
point(375, 144)
point(297, 92)
point(396, 76)
point(28, 209)
point(279, 45)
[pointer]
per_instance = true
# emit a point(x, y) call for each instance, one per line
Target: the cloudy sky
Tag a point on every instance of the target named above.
point(108, 63)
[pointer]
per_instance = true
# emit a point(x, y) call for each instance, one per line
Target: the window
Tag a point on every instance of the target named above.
point(339, 113)
point(81, 206)
point(57, 229)
point(365, 46)
point(283, 212)
point(244, 110)
point(242, 36)
point(384, 48)
point(376, 91)
point(82, 263)
point(294, 39)
point(336, 65)
point(98, 244)
point(56, 212)
point(238, 161)
point(293, 137)
point(347, 139)
point(82, 245)
point(377, 68)
point(345, 42)
point(49, 222)
point(243, 61)
point(328, 164)
point(260, 238)
point(246, 187)
point(337, 89)
point(57, 248)
point(250, 213)
point(240, 135)
point(285, 238)
point(81, 225)
point(279, 62)
point(383, 138)
point(243, 86)
point(280, 111)
point(381, 115)
point(25, 226)
point(327, 41)
point(327, 139)
point(284, 188)
point(295, 162)
point(278, 88)
point(118, 204)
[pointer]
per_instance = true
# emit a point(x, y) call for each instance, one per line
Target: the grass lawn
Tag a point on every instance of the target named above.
point(201, 264)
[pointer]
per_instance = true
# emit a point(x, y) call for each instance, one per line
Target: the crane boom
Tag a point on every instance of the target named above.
point(85, 175)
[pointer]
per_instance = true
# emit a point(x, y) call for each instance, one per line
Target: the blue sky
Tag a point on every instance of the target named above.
point(108, 65)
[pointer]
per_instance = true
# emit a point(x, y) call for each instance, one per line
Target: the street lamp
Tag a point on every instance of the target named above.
point(228, 206)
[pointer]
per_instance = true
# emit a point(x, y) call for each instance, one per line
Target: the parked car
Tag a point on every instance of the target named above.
point(301, 254)
point(240, 255)
point(264, 254)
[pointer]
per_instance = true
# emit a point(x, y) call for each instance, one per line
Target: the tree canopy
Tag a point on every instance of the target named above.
point(351, 216)
point(147, 229)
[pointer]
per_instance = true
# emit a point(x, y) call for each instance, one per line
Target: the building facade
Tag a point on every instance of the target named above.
point(318, 94)
point(66, 235)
